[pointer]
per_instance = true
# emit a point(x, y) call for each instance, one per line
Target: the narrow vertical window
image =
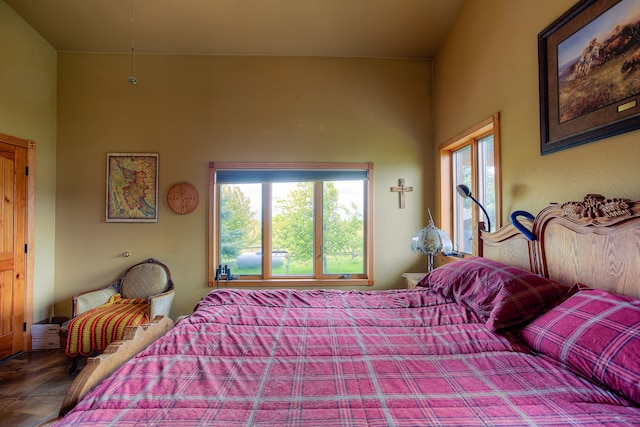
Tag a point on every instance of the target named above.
point(240, 226)
point(292, 240)
point(343, 244)
point(462, 208)
point(471, 159)
point(487, 176)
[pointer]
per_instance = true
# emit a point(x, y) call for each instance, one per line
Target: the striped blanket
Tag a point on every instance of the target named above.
point(343, 358)
point(92, 331)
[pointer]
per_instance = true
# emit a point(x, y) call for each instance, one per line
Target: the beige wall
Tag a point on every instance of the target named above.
point(28, 110)
point(489, 63)
point(196, 109)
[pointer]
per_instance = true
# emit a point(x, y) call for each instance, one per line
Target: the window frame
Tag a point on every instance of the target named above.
point(318, 279)
point(469, 138)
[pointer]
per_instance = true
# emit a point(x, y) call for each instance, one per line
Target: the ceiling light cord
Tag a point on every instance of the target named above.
point(132, 80)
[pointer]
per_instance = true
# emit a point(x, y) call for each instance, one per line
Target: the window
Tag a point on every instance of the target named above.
point(471, 159)
point(294, 223)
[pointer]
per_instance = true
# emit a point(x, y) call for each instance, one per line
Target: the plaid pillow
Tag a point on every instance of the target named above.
point(500, 295)
point(595, 334)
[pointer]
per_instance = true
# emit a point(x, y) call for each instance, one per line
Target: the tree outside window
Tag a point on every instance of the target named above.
point(279, 228)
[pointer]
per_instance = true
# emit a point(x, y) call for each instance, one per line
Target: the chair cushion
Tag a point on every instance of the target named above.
point(144, 280)
point(92, 331)
point(89, 300)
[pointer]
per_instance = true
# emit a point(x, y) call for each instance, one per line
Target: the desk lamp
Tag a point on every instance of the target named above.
point(430, 240)
point(464, 191)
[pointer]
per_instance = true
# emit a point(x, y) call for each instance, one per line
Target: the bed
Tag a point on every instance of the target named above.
point(534, 332)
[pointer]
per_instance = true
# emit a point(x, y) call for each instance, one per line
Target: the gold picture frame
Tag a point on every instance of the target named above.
point(132, 187)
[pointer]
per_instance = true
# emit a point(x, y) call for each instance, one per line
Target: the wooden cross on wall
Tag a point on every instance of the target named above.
point(401, 189)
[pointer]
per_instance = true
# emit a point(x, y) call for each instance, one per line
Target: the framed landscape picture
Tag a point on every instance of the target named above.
point(589, 73)
point(132, 187)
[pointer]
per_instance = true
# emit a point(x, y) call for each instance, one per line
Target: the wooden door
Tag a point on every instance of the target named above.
point(14, 246)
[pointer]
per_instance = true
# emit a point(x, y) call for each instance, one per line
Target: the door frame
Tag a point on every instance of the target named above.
point(30, 147)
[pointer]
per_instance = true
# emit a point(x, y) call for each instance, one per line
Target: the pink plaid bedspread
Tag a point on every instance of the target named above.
point(342, 358)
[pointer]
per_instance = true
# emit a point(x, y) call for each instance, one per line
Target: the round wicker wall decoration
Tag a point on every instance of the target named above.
point(182, 198)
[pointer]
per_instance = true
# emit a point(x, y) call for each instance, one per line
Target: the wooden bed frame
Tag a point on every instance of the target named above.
point(134, 340)
point(595, 242)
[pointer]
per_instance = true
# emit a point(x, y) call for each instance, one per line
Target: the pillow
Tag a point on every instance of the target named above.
point(595, 334)
point(500, 295)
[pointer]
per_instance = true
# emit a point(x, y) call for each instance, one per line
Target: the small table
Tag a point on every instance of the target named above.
point(413, 279)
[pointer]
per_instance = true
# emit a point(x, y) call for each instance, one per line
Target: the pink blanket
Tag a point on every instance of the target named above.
point(342, 358)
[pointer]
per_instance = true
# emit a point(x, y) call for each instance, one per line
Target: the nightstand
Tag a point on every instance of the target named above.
point(413, 279)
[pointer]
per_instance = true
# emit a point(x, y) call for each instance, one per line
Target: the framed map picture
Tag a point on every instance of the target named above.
point(132, 187)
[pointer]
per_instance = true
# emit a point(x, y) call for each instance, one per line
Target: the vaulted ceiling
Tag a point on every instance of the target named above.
point(342, 28)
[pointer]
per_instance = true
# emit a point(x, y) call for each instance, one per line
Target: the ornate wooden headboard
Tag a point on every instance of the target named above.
point(595, 242)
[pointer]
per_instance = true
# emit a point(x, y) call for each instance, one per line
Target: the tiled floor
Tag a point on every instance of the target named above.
point(33, 386)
